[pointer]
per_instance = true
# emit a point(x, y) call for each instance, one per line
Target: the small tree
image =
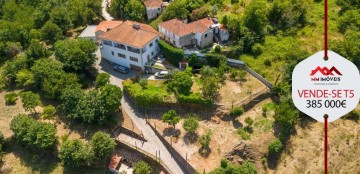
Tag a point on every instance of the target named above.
point(217, 49)
point(210, 89)
point(102, 145)
point(142, 168)
point(10, 98)
point(143, 82)
point(74, 153)
point(275, 147)
point(237, 111)
point(205, 139)
point(30, 100)
point(49, 112)
point(102, 79)
point(171, 118)
point(181, 84)
point(191, 124)
point(193, 59)
point(249, 121)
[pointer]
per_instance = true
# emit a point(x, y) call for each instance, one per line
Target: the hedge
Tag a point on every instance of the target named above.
point(143, 97)
point(194, 99)
point(172, 54)
point(214, 59)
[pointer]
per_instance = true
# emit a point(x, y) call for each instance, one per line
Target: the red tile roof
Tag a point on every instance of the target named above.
point(105, 25)
point(153, 3)
point(177, 27)
point(125, 33)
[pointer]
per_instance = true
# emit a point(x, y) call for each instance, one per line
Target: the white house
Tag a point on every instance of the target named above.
point(154, 8)
point(89, 33)
point(200, 33)
point(130, 44)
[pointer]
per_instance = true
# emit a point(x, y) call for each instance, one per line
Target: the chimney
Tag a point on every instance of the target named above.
point(136, 26)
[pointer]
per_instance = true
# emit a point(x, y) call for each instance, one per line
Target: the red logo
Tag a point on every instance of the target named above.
point(325, 71)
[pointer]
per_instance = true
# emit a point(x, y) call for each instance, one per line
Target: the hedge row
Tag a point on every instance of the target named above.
point(172, 54)
point(143, 97)
point(194, 99)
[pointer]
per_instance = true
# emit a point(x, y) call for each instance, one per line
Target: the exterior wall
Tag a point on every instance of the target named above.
point(170, 37)
point(224, 35)
point(203, 41)
point(106, 52)
point(98, 33)
point(186, 40)
point(153, 12)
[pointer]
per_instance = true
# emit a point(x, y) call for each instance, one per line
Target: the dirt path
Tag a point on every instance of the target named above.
point(105, 14)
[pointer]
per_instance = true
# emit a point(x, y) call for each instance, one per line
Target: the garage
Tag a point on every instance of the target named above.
point(134, 67)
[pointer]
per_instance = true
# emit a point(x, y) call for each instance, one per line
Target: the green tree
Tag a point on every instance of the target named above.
point(102, 145)
point(142, 168)
point(193, 59)
point(12, 67)
point(349, 20)
point(36, 51)
point(61, 17)
point(191, 124)
point(204, 142)
point(34, 134)
point(181, 84)
point(249, 121)
point(74, 153)
point(30, 100)
point(51, 32)
point(25, 78)
point(275, 147)
point(255, 17)
point(45, 68)
point(134, 10)
point(10, 98)
point(48, 112)
point(349, 46)
point(70, 98)
point(75, 54)
point(210, 88)
point(286, 116)
point(176, 9)
point(102, 79)
point(54, 85)
point(171, 118)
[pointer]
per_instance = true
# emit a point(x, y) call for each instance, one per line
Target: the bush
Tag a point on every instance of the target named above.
point(30, 100)
point(245, 135)
point(142, 168)
point(10, 98)
point(102, 79)
point(275, 147)
point(102, 145)
point(249, 121)
point(74, 153)
point(143, 82)
point(34, 134)
point(191, 124)
point(49, 112)
point(214, 59)
point(237, 111)
point(173, 55)
point(194, 99)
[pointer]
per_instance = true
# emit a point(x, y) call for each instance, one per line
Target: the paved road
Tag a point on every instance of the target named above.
point(105, 14)
point(153, 143)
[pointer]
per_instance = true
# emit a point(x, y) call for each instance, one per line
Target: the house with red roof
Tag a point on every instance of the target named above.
point(130, 44)
point(154, 8)
point(200, 33)
point(105, 26)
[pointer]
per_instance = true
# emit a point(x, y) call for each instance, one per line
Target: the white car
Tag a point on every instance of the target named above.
point(161, 74)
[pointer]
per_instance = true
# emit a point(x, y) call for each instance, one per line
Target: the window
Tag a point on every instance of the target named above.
point(121, 46)
point(205, 35)
point(152, 53)
point(121, 55)
point(134, 59)
point(134, 50)
point(157, 40)
point(158, 9)
point(151, 44)
point(112, 52)
point(106, 42)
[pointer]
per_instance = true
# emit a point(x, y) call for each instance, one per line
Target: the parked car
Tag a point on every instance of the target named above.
point(121, 69)
point(161, 74)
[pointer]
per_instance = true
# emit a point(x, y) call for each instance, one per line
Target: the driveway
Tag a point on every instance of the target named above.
point(153, 144)
point(105, 14)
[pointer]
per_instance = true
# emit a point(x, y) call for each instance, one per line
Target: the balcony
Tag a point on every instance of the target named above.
point(134, 50)
point(121, 46)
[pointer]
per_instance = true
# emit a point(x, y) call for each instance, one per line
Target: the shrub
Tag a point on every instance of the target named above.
point(194, 99)
point(49, 112)
point(143, 82)
point(174, 55)
point(245, 135)
point(217, 49)
point(214, 59)
point(10, 98)
point(237, 111)
point(224, 163)
point(102, 145)
point(191, 124)
point(171, 118)
point(32, 133)
point(353, 115)
point(205, 139)
point(142, 168)
point(74, 153)
point(249, 121)
point(30, 100)
point(102, 79)
point(275, 147)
